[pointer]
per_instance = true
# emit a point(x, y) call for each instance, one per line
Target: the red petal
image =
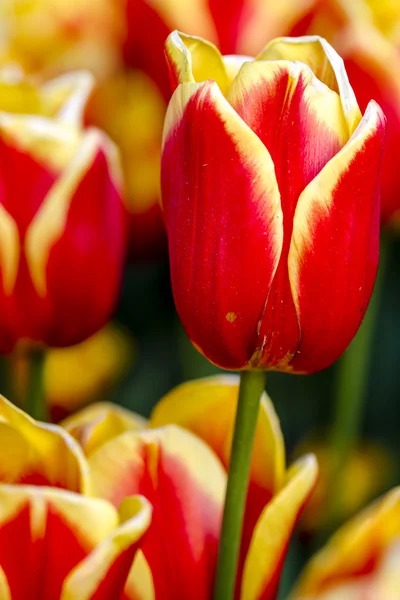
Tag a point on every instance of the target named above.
point(335, 246)
point(223, 219)
point(83, 269)
point(185, 484)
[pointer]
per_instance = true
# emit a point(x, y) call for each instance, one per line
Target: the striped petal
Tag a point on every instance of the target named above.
point(39, 453)
point(76, 242)
point(354, 550)
point(185, 484)
point(222, 187)
point(302, 124)
point(97, 424)
point(325, 63)
point(272, 533)
point(56, 544)
point(207, 407)
point(193, 59)
point(337, 218)
point(104, 573)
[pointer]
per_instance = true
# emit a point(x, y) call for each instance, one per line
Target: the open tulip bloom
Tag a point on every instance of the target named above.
point(270, 189)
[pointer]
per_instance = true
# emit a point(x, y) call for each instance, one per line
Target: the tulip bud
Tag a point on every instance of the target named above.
point(270, 185)
point(61, 215)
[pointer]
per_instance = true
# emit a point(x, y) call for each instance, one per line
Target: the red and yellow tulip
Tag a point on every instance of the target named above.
point(61, 214)
point(56, 539)
point(361, 561)
point(270, 181)
point(179, 464)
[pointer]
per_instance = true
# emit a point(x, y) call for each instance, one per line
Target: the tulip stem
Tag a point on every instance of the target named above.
point(351, 388)
point(35, 397)
point(252, 384)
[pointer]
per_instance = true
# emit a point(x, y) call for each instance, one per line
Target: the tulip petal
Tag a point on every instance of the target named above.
point(97, 424)
point(39, 453)
point(354, 550)
point(301, 123)
point(223, 187)
point(324, 62)
point(9, 251)
point(185, 483)
point(140, 584)
point(44, 533)
point(82, 216)
point(103, 574)
point(207, 408)
point(272, 533)
point(193, 59)
point(337, 218)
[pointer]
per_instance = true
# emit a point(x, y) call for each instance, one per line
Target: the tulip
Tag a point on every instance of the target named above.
point(361, 561)
point(270, 195)
point(179, 464)
point(55, 540)
point(61, 215)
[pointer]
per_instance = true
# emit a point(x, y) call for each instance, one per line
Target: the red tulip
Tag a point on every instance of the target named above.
point(270, 185)
point(56, 540)
point(61, 218)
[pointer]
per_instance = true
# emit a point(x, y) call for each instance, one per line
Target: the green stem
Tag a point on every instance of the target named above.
point(251, 387)
point(352, 382)
point(35, 398)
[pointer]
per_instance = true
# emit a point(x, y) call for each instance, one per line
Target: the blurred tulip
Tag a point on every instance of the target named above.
point(59, 543)
point(80, 374)
point(367, 473)
point(179, 464)
point(361, 561)
point(112, 40)
point(267, 171)
point(61, 214)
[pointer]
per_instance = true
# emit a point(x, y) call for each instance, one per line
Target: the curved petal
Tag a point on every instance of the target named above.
point(44, 533)
point(207, 408)
point(302, 124)
point(104, 572)
point(354, 550)
point(325, 63)
point(222, 187)
point(185, 483)
point(39, 453)
point(337, 218)
point(272, 533)
point(10, 251)
point(193, 59)
point(95, 425)
point(82, 217)
point(140, 584)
